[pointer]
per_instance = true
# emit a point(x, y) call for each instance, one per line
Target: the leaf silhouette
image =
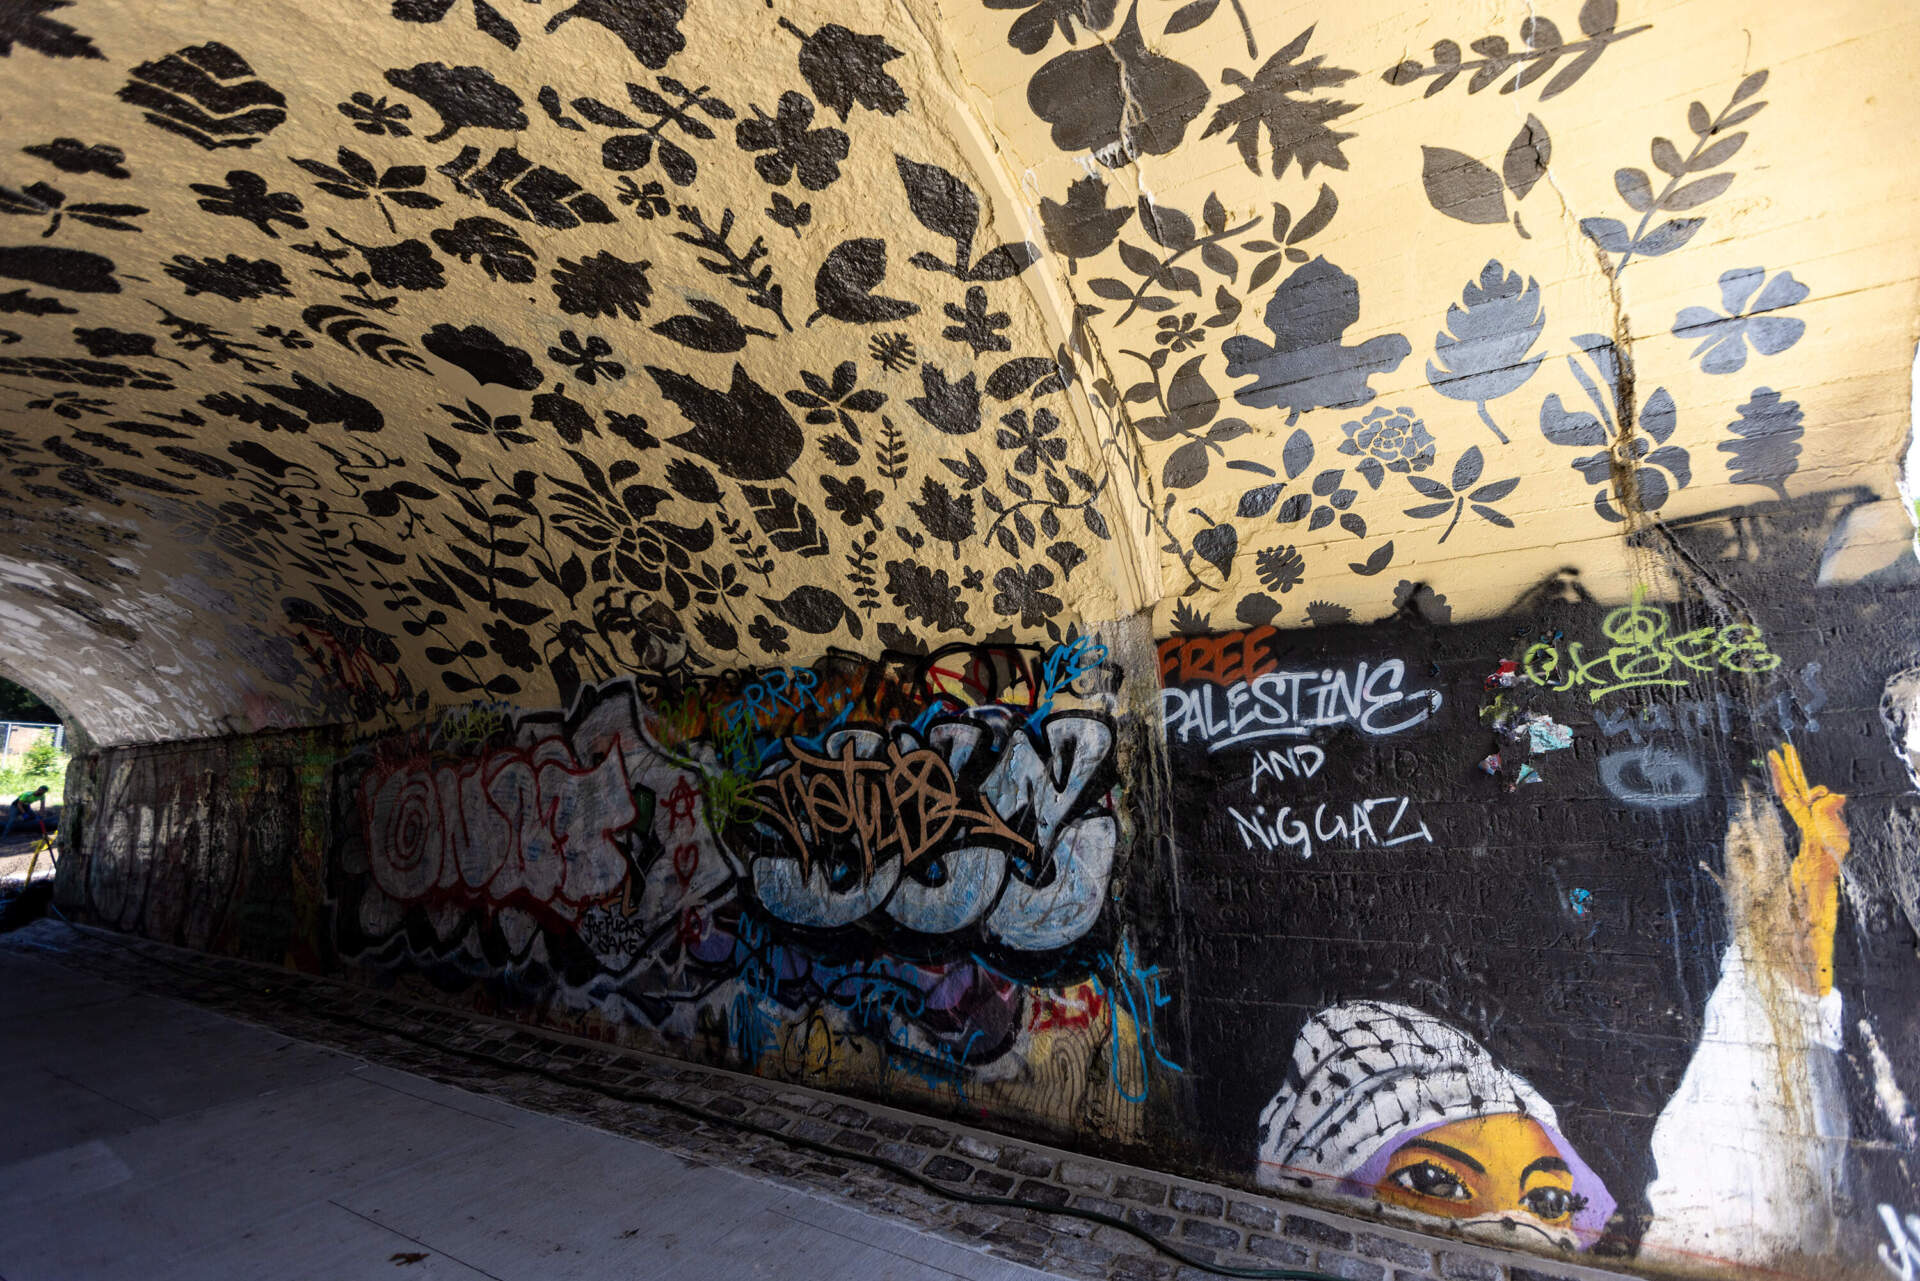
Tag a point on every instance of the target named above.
point(745, 430)
point(1258, 501)
point(1188, 621)
point(1308, 366)
point(843, 287)
point(1697, 193)
point(1003, 262)
point(1118, 98)
point(1765, 449)
point(329, 404)
point(1609, 233)
point(943, 204)
point(1467, 469)
point(1527, 157)
point(1667, 237)
point(1382, 557)
point(1082, 226)
point(465, 97)
point(814, 610)
point(948, 518)
point(26, 22)
point(843, 67)
point(788, 523)
point(1217, 545)
point(1570, 427)
point(951, 407)
point(1277, 99)
point(1545, 48)
point(483, 354)
point(1189, 16)
point(1713, 145)
point(649, 28)
point(206, 93)
point(1635, 188)
point(927, 595)
point(1461, 187)
point(713, 329)
point(1482, 355)
point(1019, 374)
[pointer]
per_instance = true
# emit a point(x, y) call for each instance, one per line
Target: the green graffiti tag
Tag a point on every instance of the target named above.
point(1646, 654)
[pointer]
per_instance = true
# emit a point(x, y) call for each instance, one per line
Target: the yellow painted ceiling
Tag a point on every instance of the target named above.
point(356, 357)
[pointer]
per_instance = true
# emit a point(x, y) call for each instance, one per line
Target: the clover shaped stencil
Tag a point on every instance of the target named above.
point(1749, 318)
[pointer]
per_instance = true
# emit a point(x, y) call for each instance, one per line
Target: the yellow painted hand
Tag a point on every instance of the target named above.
point(1824, 844)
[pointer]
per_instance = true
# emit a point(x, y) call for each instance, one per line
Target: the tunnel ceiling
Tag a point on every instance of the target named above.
point(361, 356)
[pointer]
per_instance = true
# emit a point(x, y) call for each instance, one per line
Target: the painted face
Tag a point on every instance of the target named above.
point(1501, 1169)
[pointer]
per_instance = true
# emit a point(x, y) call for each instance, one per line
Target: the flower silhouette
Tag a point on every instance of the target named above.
point(602, 285)
point(512, 644)
point(791, 145)
point(1748, 319)
point(1024, 592)
point(648, 202)
point(234, 278)
point(1082, 225)
point(770, 636)
point(1037, 444)
point(498, 247)
point(376, 116)
point(289, 339)
point(852, 499)
point(892, 352)
point(1179, 332)
point(353, 177)
point(246, 196)
point(590, 359)
point(1388, 440)
point(836, 401)
point(409, 264)
point(625, 536)
point(1635, 470)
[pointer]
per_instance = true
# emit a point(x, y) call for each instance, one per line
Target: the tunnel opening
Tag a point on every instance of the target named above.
point(35, 750)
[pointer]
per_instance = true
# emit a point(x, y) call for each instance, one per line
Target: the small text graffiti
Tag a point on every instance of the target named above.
point(1292, 704)
point(1303, 761)
point(1645, 654)
point(1379, 822)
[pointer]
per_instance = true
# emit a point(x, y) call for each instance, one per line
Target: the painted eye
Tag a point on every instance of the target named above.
point(1548, 1203)
point(1428, 1179)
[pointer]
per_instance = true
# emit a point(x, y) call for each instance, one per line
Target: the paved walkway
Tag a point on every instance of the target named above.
point(145, 1135)
point(148, 1139)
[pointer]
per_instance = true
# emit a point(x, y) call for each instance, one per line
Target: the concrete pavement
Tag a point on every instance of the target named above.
point(148, 1139)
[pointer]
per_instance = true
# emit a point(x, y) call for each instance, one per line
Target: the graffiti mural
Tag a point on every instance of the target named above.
point(1473, 847)
point(860, 872)
point(1580, 928)
point(213, 845)
point(1092, 565)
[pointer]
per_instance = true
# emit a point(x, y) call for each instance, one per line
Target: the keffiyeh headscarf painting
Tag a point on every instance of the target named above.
point(1384, 1102)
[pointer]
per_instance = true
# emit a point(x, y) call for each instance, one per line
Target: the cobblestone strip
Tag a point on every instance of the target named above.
point(1219, 1225)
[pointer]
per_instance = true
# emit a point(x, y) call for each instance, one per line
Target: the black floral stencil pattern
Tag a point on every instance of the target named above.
point(590, 334)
